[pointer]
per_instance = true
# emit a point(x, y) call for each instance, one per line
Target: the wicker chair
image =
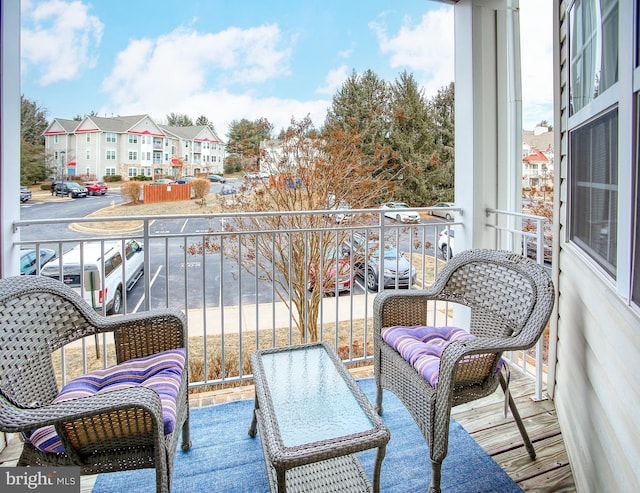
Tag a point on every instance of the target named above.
point(510, 299)
point(110, 431)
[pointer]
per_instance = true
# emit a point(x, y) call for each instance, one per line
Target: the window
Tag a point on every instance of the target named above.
point(131, 249)
point(132, 172)
point(110, 138)
point(87, 170)
point(56, 139)
point(112, 264)
point(133, 155)
point(593, 158)
point(109, 171)
point(87, 154)
point(594, 189)
point(593, 49)
point(133, 139)
point(88, 137)
point(111, 155)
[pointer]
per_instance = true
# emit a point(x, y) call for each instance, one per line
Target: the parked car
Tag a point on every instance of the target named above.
point(89, 266)
point(184, 179)
point(29, 260)
point(396, 268)
point(343, 215)
point(25, 194)
point(448, 215)
point(71, 189)
point(228, 190)
point(216, 178)
point(399, 211)
point(342, 206)
point(259, 175)
point(95, 187)
point(446, 242)
point(162, 181)
point(336, 262)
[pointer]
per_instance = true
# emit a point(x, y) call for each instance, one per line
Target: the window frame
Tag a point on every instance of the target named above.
point(620, 95)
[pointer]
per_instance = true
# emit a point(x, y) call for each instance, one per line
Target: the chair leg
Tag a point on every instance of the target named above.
point(186, 435)
point(436, 471)
point(379, 409)
point(516, 416)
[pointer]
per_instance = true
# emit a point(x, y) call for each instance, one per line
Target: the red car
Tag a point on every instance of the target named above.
point(95, 187)
point(345, 276)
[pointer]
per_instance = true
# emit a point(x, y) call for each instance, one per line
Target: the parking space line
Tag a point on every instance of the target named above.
point(153, 279)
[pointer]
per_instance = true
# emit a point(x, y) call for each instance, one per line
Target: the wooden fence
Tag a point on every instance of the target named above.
point(166, 193)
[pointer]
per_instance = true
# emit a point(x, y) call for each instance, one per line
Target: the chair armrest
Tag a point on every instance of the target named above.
point(14, 419)
point(407, 308)
point(144, 333)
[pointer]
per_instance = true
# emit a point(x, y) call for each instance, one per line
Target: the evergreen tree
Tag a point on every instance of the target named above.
point(441, 163)
point(179, 120)
point(244, 137)
point(33, 167)
point(362, 107)
point(411, 138)
point(33, 123)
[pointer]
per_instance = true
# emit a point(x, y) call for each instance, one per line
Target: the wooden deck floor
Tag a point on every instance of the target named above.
point(483, 419)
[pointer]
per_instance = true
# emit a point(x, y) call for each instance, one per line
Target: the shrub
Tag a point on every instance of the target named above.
point(201, 187)
point(111, 178)
point(232, 165)
point(130, 191)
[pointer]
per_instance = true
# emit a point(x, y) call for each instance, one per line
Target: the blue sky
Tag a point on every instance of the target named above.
point(232, 60)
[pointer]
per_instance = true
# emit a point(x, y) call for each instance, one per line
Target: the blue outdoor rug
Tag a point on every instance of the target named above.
point(225, 459)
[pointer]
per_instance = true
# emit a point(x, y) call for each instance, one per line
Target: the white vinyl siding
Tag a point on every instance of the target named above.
point(597, 369)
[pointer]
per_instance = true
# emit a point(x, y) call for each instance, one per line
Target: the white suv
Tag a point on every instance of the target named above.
point(115, 280)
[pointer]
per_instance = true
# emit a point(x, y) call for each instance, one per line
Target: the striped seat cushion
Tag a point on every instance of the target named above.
point(161, 372)
point(422, 347)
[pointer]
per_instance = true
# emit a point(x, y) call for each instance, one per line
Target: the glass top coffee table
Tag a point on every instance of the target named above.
point(312, 418)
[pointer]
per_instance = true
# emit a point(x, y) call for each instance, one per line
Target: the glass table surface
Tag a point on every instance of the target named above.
point(310, 397)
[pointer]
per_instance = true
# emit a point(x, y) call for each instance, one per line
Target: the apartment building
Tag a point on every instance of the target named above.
point(131, 146)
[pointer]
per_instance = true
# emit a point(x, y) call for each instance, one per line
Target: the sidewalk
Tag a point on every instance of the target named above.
point(251, 317)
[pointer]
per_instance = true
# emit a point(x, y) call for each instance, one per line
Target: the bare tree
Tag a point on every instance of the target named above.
point(314, 171)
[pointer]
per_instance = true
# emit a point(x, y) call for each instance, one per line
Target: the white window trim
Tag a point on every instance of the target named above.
point(621, 94)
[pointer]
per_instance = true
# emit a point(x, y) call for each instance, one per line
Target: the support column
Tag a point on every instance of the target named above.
point(488, 115)
point(9, 135)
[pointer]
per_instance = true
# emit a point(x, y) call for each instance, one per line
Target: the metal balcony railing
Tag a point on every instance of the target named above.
point(243, 283)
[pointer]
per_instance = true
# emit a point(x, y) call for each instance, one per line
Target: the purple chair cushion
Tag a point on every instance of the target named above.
point(422, 346)
point(161, 372)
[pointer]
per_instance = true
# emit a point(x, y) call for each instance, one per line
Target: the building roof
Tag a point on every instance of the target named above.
point(536, 156)
point(538, 140)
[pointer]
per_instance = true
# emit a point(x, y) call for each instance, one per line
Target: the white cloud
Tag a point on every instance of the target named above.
point(427, 48)
point(424, 48)
point(333, 80)
point(190, 72)
point(59, 39)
